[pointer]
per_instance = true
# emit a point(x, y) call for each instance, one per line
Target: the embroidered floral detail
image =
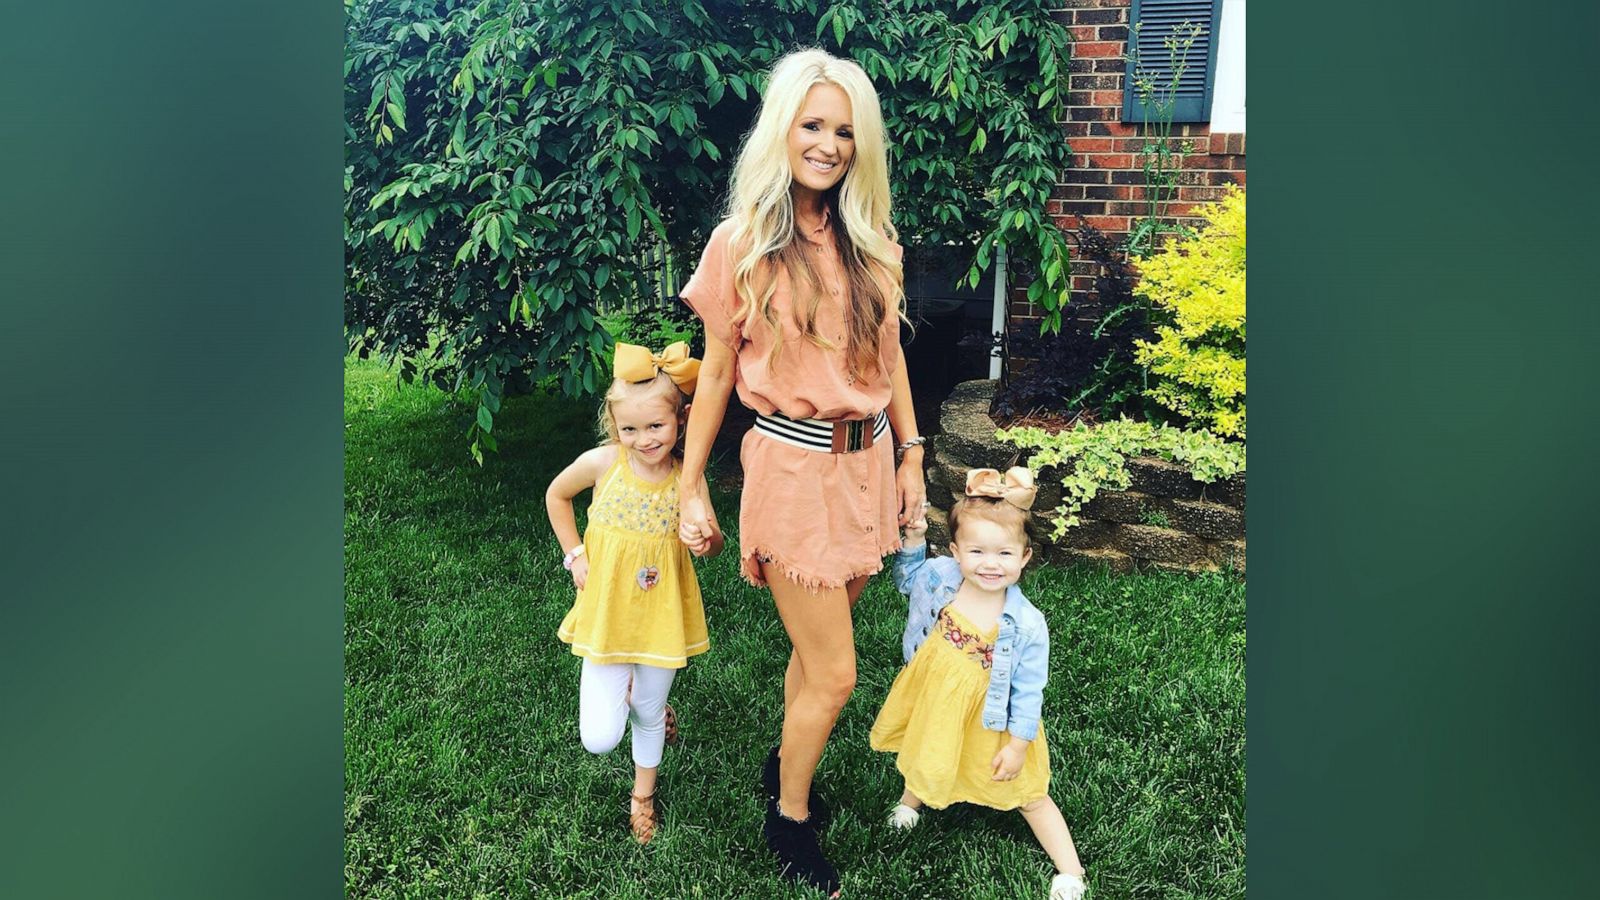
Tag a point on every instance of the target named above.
point(647, 577)
point(623, 505)
point(979, 650)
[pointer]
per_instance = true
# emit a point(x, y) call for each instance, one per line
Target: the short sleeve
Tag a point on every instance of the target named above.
point(710, 289)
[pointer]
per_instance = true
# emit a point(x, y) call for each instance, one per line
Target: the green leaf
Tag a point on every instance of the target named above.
point(480, 91)
point(485, 418)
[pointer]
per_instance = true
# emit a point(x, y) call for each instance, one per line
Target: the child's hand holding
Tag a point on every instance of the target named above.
point(1008, 762)
point(580, 571)
point(917, 528)
point(694, 537)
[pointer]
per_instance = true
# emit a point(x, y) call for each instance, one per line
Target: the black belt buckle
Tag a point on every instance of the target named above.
point(853, 435)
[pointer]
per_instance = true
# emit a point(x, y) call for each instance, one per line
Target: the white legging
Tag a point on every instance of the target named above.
point(604, 702)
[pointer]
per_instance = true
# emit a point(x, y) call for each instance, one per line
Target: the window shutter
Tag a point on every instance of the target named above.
point(1161, 19)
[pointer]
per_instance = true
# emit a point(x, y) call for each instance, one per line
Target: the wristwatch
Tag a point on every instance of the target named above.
point(572, 555)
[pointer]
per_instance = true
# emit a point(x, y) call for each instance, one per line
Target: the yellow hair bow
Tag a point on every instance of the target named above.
point(635, 363)
point(1015, 486)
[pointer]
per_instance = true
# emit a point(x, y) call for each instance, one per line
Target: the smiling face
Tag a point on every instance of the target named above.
point(821, 140)
point(991, 555)
point(647, 424)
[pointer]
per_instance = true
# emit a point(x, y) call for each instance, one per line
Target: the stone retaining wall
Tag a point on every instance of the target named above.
point(1165, 520)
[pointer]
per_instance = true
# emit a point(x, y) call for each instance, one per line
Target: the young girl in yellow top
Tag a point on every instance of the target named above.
point(638, 616)
point(963, 715)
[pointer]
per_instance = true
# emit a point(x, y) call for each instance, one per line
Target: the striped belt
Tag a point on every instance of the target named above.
point(827, 437)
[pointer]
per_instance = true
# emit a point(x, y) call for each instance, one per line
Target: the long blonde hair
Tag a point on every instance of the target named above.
point(762, 208)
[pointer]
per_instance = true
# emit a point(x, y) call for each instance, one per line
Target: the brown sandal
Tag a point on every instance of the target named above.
point(644, 821)
point(672, 726)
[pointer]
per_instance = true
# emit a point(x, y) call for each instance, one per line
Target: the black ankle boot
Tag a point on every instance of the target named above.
point(795, 845)
point(821, 814)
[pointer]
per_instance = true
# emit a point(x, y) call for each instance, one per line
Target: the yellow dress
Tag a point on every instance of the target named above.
point(641, 603)
point(933, 718)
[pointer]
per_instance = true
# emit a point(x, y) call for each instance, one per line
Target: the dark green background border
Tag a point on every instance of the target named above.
point(1422, 696)
point(1422, 693)
point(172, 504)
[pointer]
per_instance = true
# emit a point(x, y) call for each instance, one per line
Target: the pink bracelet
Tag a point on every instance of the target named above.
point(571, 557)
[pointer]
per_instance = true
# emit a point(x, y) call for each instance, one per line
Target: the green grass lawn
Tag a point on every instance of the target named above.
point(464, 776)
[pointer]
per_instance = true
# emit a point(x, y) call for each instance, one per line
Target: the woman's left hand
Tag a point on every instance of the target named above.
point(908, 481)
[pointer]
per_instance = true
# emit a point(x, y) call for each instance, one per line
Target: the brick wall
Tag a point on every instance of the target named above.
point(1105, 183)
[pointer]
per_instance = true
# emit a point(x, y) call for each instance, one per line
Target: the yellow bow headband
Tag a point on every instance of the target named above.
point(1015, 486)
point(635, 363)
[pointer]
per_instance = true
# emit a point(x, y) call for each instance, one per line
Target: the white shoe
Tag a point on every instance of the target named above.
point(903, 816)
point(1066, 887)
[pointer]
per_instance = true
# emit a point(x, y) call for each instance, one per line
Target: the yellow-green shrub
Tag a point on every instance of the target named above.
point(1088, 458)
point(1196, 362)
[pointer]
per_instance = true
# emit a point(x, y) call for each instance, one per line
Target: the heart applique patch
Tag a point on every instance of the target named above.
point(647, 577)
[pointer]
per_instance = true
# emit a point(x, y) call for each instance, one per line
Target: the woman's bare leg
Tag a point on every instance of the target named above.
point(1044, 817)
point(795, 674)
point(820, 629)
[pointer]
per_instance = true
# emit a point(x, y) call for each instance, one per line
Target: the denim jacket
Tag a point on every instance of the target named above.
point(1021, 651)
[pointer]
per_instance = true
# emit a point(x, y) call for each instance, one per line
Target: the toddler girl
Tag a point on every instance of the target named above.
point(638, 617)
point(963, 715)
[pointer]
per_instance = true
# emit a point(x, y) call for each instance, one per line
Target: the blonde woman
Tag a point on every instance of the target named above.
point(801, 292)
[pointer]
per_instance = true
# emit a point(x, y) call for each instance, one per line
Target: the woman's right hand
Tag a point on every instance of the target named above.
point(694, 520)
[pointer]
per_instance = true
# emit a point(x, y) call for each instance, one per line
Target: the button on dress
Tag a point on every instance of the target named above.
point(822, 519)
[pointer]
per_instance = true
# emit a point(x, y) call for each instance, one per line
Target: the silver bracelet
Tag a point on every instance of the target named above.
point(913, 442)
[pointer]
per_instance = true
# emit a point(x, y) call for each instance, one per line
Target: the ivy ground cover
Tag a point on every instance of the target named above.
point(464, 777)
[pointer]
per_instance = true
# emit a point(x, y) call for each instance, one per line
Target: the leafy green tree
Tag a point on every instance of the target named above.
point(510, 165)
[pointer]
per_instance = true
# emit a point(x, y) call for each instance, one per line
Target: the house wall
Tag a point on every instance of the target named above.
point(1105, 181)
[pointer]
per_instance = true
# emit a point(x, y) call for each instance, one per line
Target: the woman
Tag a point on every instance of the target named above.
point(800, 289)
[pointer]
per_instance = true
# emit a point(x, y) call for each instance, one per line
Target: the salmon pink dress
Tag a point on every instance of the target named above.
point(820, 518)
